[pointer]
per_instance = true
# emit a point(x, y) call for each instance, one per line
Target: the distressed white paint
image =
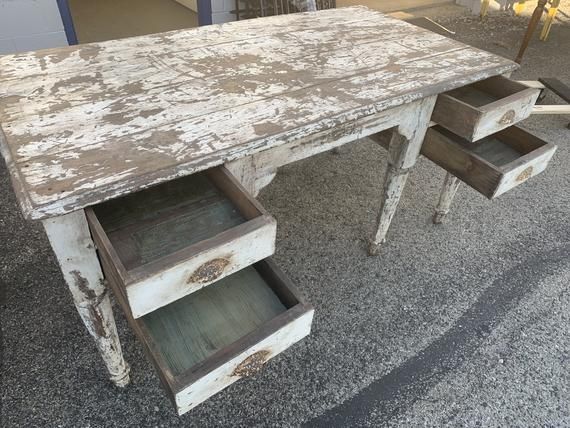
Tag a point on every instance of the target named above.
point(86, 124)
point(257, 171)
point(71, 242)
point(222, 377)
point(403, 151)
point(153, 292)
point(448, 191)
point(551, 109)
point(529, 166)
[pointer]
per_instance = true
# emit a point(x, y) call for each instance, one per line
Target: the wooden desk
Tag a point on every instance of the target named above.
point(85, 124)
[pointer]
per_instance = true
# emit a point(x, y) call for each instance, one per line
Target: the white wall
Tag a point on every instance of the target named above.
point(29, 25)
point(221, 11)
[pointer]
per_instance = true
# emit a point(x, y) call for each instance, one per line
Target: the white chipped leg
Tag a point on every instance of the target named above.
point(252, 176)
point(404, 149)
point(72, 244)
point(448, 191)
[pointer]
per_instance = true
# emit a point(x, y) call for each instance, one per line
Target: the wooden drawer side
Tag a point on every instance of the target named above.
point(157, 275)
point(226, 374)
point(494, 165)
point(256, 241)
point(455, 159)
point(484, 108)
point(243, 357)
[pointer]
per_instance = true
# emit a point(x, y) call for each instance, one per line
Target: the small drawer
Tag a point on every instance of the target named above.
point(204, 342)
point(493, 165)
point(171, 240)
point(483, 108)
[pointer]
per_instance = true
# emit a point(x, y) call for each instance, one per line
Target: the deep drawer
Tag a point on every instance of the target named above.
point(483, 108)
point(204, 342)
point(166, 242)
point(493, 165)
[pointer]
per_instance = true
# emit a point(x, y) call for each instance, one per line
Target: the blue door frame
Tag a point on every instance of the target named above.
point(67, 21)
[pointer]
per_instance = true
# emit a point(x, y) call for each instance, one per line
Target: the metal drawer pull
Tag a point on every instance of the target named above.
point(209, 271)
point(251, 365)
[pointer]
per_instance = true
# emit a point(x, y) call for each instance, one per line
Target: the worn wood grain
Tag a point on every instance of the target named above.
point(89, 123)
point(72, 244)
point(172, 240)
point(485, 107)
point(448, 191)
point(495, 164)
point(262, 312)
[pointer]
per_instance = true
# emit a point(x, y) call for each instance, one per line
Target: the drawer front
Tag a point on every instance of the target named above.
point(493, 166)
point(167, 242)
point(245, 364)
point(206, 341)
point(207, 267)
point(485, 107)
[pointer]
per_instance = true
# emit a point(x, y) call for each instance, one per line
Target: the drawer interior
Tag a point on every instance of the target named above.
point(197, 326)
point(487, 91)
point(156, 222)
point(501, 148)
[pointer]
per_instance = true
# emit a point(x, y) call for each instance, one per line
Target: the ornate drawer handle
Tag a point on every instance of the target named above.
point(209, 271)
point(508, 118)
point(525, 174)
point(251, 365)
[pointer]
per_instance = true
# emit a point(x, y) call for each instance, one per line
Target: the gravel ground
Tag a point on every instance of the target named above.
point(463, 324)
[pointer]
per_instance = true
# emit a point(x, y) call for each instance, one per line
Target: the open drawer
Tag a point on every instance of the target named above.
point(204, 342)
point(483, 108)
point(168, 241)
point(493, 165)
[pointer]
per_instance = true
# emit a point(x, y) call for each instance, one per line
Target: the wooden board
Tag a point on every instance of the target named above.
point(556, 86)
point(483, 108)
point(167, 242)
point(190, 330)
point(492, 166)
point(205, 342)
point(88, 123)
point(154, 223)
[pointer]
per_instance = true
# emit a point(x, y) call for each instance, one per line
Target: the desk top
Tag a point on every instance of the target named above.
point(87, 123)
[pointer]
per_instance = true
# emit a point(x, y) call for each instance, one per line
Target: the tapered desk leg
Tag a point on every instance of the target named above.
point(72, 244)
point(534, 20)
point(450, 186)
point(403, 152)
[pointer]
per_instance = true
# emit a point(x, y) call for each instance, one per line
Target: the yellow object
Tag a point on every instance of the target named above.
point(484, 8)
point(519, 7)
point(549, 19)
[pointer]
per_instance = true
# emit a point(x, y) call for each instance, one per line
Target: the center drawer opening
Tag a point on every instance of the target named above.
point(154, 223)
point(482, 93)
point(189, 331)
point(499, 149)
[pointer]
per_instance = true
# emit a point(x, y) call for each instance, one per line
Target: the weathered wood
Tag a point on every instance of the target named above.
point(167, 242)
point(557, 87)
point(71, 242)
point(495, 164)
point(551, 109)
point(403, 151)
point(208, 340)
point(91, 123)
point(483, 108)
point(257, 171)
point(448, 191)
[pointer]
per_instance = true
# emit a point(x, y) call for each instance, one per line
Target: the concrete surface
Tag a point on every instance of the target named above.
point(101, 20)
point(464, 324)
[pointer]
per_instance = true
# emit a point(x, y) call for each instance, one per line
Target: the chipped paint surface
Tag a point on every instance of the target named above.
point(252, 364)
point(209, 271)
point(82, 124)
